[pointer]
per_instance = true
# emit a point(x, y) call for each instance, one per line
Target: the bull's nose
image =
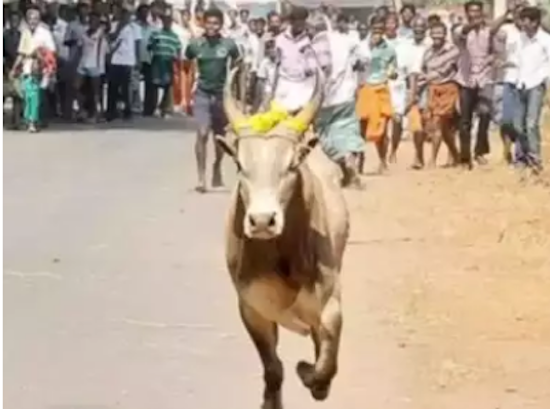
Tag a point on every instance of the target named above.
point(262, 221)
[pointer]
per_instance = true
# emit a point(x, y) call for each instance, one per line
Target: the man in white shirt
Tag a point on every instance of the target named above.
point(123, 61)
point(507, 48)
point(336, 122)
point(533, 82)
point(403, 47)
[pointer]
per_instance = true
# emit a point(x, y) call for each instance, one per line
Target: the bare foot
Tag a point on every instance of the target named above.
point(393, 158)
point(382, 168)
point(201, 187)
point(356, 183)
point(451, 163)
point(481, 160)
point(417, 165)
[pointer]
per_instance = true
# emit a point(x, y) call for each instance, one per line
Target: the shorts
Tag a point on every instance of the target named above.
point(92, 72)
point(208, 111)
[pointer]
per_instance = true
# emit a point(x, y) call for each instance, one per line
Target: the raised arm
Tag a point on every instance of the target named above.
point(500, 21)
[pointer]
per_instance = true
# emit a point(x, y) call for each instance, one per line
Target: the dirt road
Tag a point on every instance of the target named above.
point(116, 295)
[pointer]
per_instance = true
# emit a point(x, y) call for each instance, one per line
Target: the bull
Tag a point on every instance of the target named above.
point(286, 233)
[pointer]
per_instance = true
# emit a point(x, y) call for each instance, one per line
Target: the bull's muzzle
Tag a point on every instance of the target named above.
point(263, 225)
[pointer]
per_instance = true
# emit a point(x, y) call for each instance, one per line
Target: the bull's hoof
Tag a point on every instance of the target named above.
point(273, 401)
point(272, 404)
point(319, 389)
point(306, 372)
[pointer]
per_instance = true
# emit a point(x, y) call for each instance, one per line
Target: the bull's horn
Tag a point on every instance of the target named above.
point(307, 114)
point(235, 116)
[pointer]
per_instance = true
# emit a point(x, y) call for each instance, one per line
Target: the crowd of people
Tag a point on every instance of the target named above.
point(400, 72)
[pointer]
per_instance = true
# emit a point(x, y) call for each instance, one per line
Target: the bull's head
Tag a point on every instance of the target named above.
point(268, 163)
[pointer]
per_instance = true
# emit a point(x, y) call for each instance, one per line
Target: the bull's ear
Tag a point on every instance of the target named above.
point(304, 148)
point(228, 144)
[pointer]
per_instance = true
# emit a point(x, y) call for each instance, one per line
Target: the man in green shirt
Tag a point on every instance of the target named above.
point(212, 52)
point(165, 48)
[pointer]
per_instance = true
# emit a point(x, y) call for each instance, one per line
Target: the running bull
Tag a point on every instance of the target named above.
point(286, 233)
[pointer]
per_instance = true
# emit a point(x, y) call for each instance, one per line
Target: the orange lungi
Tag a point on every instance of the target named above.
point(414, 117)
point(182, 77)
point(442, 102)
point(374, 106)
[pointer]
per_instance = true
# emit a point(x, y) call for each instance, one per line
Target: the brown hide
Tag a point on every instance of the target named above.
point(293, 254)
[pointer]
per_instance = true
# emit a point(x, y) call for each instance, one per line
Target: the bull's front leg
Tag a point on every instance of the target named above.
point(326, 337)
point(264, 334)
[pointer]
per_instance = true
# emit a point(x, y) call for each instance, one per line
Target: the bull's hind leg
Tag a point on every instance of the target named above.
point(317, 378)
point(264, 334)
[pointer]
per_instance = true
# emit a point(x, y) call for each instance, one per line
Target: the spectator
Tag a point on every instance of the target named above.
point(261, 25)
point(434, 20)
point(182, 27)
point(266, 77)
point(36, 60)
point(377, 64)
point(244, 15)
point(74, 40)
point(144, 56)
point(123, 60)
point(135, 78)
point(408, 12)
point(474, 76)
point(58, 26)
point(533, 83)
point(165, 49)
point(507, 47)
point(363, 31)
point(274, 24)
point(92, 67)
point(12, 36)
point(336, 122)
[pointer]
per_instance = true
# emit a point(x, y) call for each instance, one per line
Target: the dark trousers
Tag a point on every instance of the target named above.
point(118, 82)
point(472, 100)
point(150, 97)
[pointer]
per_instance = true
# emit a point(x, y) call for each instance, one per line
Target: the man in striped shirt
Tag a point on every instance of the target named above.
point(165, 48)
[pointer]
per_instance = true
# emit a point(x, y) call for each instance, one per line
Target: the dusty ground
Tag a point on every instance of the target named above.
point(116, 295)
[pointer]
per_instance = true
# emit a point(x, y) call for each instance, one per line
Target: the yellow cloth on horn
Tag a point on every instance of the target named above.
point(264, 122)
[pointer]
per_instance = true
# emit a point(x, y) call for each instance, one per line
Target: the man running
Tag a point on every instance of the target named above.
point(377, 64)
point(437, 70)
point(212, 52)
point(336, 122)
